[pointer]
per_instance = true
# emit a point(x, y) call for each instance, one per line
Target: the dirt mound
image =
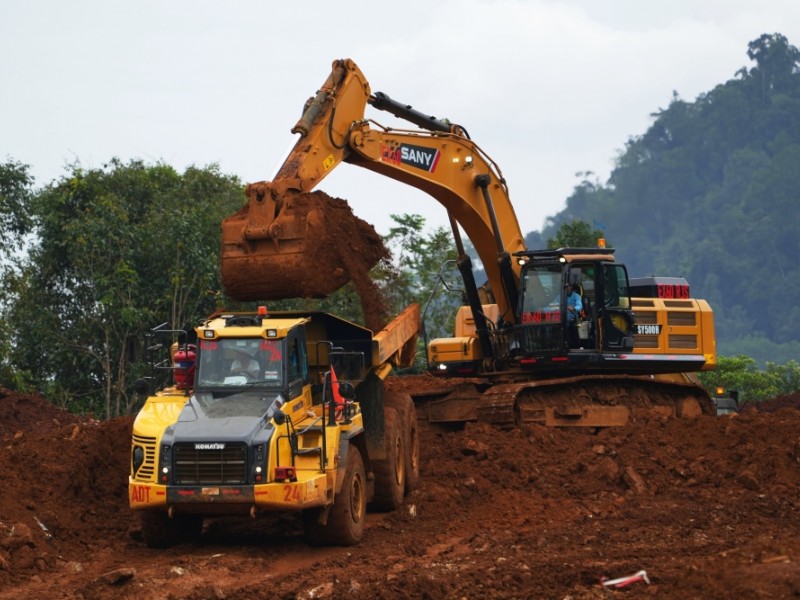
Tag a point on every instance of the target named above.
point(300, 245)
point(707, 506)
point(64, 489)
point(784, 401)
point(24, 412)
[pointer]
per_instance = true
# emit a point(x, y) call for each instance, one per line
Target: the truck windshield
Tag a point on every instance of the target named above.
point(240, 362)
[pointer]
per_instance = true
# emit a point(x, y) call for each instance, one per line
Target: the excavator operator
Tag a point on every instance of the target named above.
point(574, 308)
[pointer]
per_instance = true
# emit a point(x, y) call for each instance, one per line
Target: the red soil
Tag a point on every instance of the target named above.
point(707, 507)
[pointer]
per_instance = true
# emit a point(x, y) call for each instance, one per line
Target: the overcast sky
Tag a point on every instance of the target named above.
point(548, 88)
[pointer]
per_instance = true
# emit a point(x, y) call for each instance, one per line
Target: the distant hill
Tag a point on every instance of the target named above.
point(711, 192)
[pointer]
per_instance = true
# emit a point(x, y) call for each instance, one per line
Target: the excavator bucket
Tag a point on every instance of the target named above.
point(294, 245)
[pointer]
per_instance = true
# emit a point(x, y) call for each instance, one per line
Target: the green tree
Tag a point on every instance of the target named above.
point(776, 62)
point(575, 234)
point(425, 272)
point(15, 225)
point(742, 373)
point(15, 191)
point(119, 250)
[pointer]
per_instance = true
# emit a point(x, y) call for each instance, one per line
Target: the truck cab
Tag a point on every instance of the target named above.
point(239, 352)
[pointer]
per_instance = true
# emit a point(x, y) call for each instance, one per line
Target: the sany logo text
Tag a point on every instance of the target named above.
point(416, 156)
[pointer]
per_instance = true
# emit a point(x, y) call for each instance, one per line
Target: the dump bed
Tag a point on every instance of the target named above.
point(394, 345)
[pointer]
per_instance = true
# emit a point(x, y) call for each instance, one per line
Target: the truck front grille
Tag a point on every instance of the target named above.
point(201, 466)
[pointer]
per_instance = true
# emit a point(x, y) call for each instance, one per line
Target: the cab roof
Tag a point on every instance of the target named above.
point(569, 254)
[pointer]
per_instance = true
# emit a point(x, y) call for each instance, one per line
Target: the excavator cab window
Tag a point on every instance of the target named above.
point(617, 319)
point(539, 325)
point(541, 294)
point(615, 287)
point(582, 275)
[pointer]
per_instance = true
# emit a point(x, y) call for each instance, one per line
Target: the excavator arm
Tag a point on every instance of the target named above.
point(277, 238)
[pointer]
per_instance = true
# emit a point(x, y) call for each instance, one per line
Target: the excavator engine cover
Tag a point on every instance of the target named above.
point(294, 245)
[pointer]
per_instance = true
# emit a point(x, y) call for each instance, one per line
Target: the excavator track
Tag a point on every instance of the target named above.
point(593, 401)
point(584, 401)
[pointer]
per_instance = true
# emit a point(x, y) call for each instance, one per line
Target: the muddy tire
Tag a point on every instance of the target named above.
point(159, 531)
point(407, 414)
point(390, 473)
point(347, 516)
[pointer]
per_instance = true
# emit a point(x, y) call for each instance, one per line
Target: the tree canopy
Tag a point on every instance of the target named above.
point(15, 192)
point(576, 234)
point(117, 251)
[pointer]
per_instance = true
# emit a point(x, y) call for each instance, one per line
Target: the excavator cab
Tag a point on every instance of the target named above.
point(605, 321)
point(543, 339)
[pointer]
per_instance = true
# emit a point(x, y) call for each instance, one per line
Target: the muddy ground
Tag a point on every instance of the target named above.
point(707, 507)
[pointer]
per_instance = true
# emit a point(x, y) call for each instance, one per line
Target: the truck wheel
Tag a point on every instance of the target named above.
point(159, 531)
point(390, 473)
point(407, 413)
point(346, 519)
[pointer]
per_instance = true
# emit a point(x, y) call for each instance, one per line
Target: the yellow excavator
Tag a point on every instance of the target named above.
point(521, 352)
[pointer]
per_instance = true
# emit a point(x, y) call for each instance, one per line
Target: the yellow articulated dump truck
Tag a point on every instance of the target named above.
point(277, 411)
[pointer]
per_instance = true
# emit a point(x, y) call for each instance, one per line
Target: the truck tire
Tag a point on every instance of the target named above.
point(390, 473)
point(407, 413)
point(347, 516)
point(159, 531)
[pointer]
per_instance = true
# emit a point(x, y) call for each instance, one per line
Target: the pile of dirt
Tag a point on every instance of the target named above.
point(310, 245)
point(63, 488)
point(706, 506)
point(777, 403)
point(23, 412)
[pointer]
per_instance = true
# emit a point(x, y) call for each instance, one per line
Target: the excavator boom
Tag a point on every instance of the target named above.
point(279, 244)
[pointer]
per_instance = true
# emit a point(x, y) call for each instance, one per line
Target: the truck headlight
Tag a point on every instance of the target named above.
point(137, 458)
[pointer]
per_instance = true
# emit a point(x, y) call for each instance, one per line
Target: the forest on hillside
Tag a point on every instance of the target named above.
point(711, 192)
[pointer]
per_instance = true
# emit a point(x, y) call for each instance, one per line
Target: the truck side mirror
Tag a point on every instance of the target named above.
point(142, 387)
point(347, 390)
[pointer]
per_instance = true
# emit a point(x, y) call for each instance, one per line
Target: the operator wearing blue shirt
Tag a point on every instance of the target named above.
point(574, 304)
point(574, 308)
